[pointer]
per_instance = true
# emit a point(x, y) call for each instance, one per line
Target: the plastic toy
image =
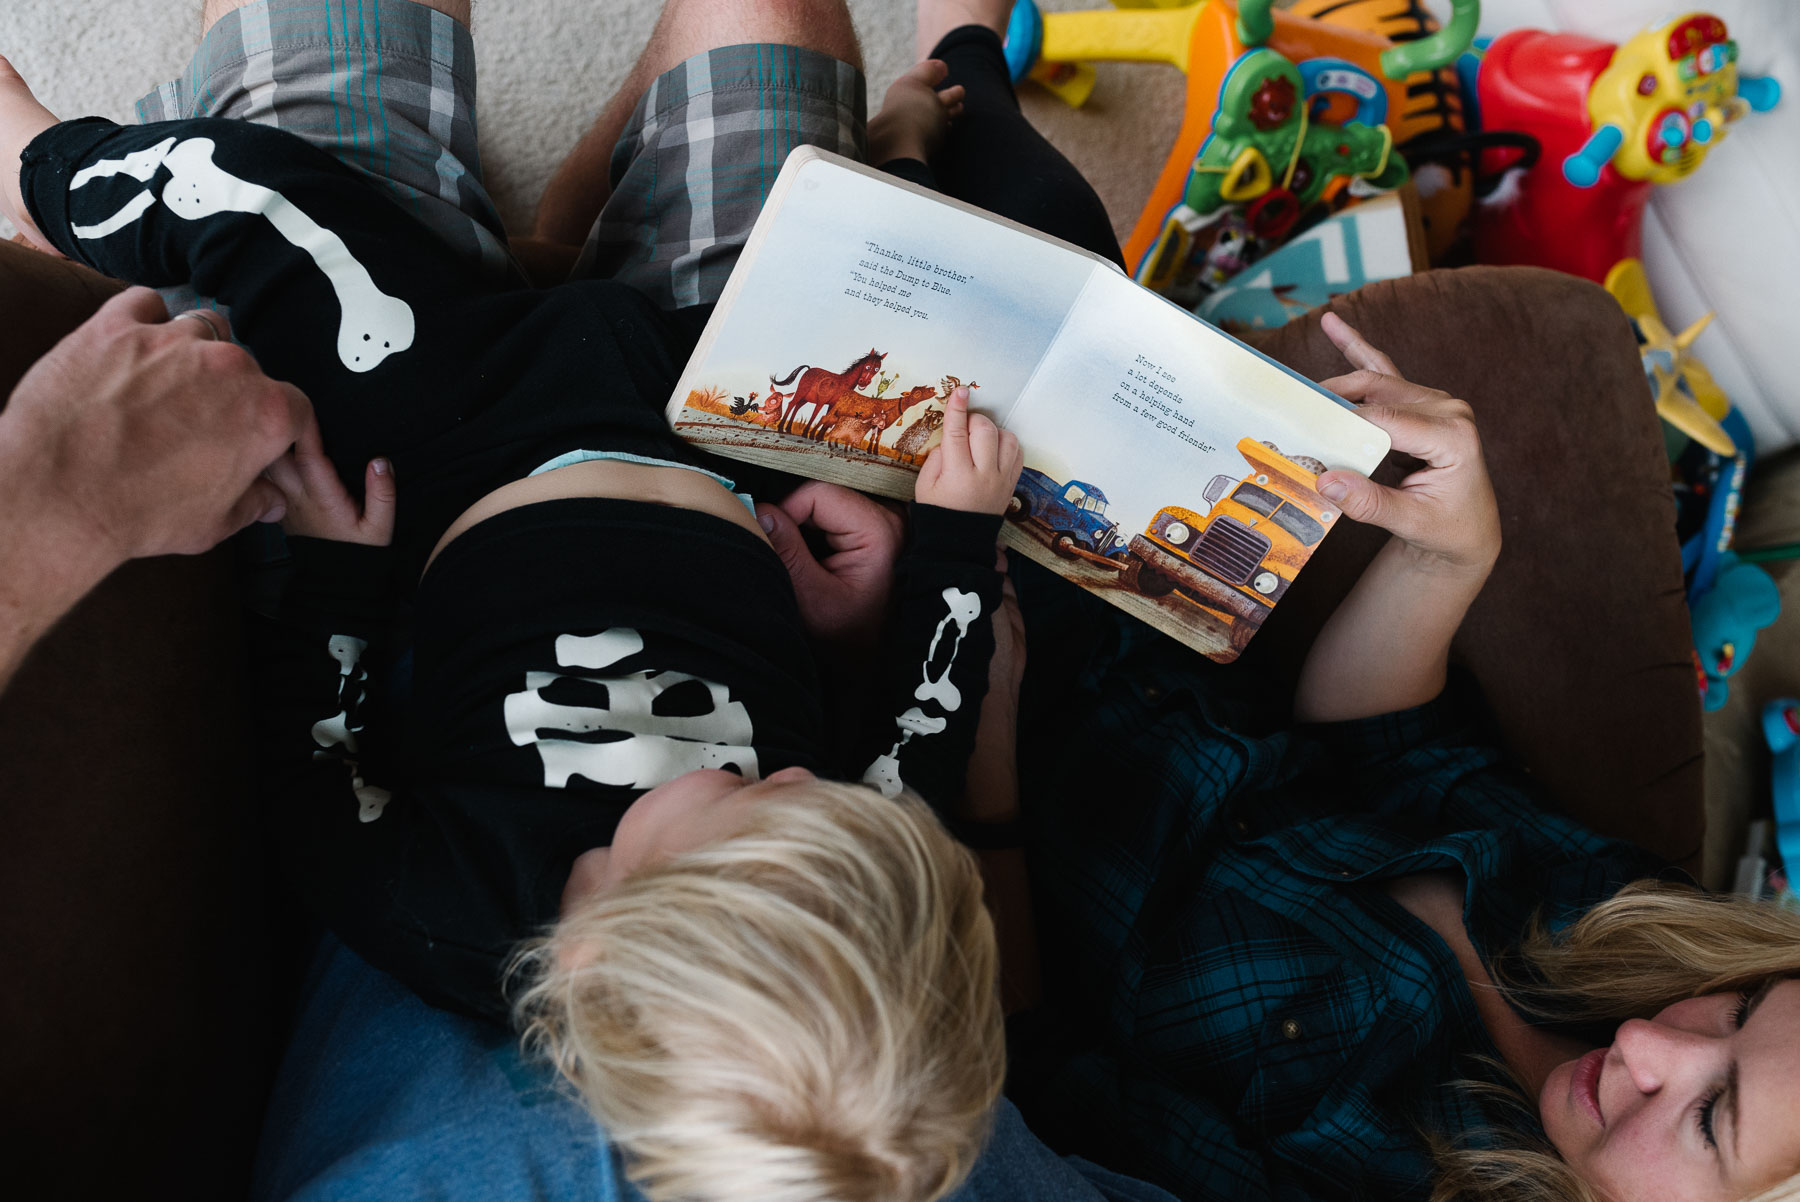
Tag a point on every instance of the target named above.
point(1612, 121)
point(1687, 398)
point(1781, 730)
point(1344, 79)
point(1709, 489)
point(1742, 600)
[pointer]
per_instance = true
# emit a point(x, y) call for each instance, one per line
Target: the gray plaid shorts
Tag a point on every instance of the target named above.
point(696, 160)
point(388, 86)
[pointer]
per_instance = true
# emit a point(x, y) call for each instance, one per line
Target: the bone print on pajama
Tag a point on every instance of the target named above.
point(565, 656)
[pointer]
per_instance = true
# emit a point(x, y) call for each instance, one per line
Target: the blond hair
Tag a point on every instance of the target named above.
point(805, 1010)
point(1646, 948)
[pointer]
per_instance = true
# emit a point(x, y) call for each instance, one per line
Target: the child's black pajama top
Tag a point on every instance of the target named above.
point(566, 655)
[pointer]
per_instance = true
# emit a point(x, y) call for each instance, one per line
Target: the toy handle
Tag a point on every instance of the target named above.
point(1439, 50)
point(1762, 91)
point(1583, 167)
point(1024, 39)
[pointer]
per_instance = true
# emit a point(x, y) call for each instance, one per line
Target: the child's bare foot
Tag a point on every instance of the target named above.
point(22, 118)
point(938, 17)
point(914, 115)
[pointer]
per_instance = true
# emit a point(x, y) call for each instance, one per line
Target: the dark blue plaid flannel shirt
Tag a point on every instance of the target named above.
point(1237, 1009)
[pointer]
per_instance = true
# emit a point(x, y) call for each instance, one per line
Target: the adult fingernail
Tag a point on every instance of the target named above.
point(275, 512)
point(766, 522)
point(381, 467)
point(1335, 489)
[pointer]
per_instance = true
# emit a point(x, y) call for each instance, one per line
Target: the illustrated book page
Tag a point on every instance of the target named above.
point(1169, 468)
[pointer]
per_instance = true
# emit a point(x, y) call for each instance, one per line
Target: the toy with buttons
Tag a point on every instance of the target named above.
point(1282, 112)
point(1612, 121)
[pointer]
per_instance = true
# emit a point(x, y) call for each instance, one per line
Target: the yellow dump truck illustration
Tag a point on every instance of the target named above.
point(1239, 557)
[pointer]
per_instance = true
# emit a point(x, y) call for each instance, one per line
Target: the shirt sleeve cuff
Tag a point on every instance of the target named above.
point(913, 171)
point(953, 534)
point(1383, 735)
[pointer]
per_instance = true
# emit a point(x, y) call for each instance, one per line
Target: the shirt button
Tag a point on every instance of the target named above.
point(1152, 694)
point(1290, 1028)
point(1345, 872)
point(1241, 825)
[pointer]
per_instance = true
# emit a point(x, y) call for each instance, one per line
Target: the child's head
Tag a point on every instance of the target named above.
point(802, 1008)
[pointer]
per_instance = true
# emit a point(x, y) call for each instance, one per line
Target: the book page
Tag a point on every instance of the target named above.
point(1172, 469)
point(865, 304)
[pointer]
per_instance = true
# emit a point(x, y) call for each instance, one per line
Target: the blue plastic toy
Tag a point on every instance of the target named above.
point(1742, 600)
point(1781, 728)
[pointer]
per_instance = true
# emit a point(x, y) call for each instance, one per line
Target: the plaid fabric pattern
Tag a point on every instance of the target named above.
point(1242, 1010)
point(696, 160)
point(387, 86)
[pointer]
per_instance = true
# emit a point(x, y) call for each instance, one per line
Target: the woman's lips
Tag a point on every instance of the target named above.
point(1584, 1083)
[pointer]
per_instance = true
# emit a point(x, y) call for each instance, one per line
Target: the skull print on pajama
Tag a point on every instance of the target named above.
point(436, 756)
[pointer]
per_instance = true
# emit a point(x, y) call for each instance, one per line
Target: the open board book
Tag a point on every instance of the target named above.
point(1168, 467)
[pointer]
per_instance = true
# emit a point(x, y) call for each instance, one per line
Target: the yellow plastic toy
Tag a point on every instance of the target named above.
point(1687, 397)
point(1205, 39)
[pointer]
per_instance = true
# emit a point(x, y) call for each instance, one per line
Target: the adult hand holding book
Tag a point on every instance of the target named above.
point(1387, 646)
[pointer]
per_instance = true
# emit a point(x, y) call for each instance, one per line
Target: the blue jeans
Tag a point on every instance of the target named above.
point(382, 1097)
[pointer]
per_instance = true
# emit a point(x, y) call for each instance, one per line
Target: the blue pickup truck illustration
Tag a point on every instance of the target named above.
point(1073, 513)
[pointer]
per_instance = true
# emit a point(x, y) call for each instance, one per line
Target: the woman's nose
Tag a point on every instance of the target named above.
point(1657, 1055)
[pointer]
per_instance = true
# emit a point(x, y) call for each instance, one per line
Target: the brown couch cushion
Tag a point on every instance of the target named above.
point(139, 1022)
point(1580, 639)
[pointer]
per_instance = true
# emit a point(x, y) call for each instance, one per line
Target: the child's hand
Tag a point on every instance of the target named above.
point(22, 118)
point(843, 600)
point(914, 115)
point(1444, 513)
point(976, 466)
point(318, 504)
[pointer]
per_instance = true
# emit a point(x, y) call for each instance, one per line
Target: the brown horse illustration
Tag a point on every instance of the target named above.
point(823, 390)
point(859, 419)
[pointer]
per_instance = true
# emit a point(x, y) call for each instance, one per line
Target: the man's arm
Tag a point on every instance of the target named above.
point(134, 436)
point(1387, 647)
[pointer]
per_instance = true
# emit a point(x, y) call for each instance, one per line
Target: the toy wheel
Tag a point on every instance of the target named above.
point(1063, 543)
point(1018, 509)
point(1273, 214)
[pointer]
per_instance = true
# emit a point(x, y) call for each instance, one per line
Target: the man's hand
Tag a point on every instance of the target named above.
point(843, 598)
point(134, 436)
point(1445, 512)
point(976, 466)
point(318, 504)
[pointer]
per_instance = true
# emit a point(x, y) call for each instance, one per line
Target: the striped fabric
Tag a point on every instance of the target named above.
point(696, 160)
point(1242, 1010)
point(387, 86)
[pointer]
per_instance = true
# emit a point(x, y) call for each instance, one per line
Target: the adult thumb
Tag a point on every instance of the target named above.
point(789, 544)
point(1357, 496)
point(380, 497)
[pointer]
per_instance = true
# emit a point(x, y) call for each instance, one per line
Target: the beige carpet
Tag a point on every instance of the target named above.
point(546, 68)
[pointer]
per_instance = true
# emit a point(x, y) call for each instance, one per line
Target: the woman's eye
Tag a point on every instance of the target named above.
point(1742, 1010)
point(1704, 1116)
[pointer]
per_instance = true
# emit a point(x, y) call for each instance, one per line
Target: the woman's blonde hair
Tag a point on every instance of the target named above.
point(1646, 948)
point(805, 1010)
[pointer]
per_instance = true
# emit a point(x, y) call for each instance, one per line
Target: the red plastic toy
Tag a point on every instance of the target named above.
point(1612, 121)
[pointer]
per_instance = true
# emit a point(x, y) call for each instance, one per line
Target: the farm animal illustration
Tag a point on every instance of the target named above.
point(740, 405)
point(912, 441)
point(824, 390)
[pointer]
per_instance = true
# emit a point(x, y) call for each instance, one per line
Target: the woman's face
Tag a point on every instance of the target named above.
point(1700, 1103)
